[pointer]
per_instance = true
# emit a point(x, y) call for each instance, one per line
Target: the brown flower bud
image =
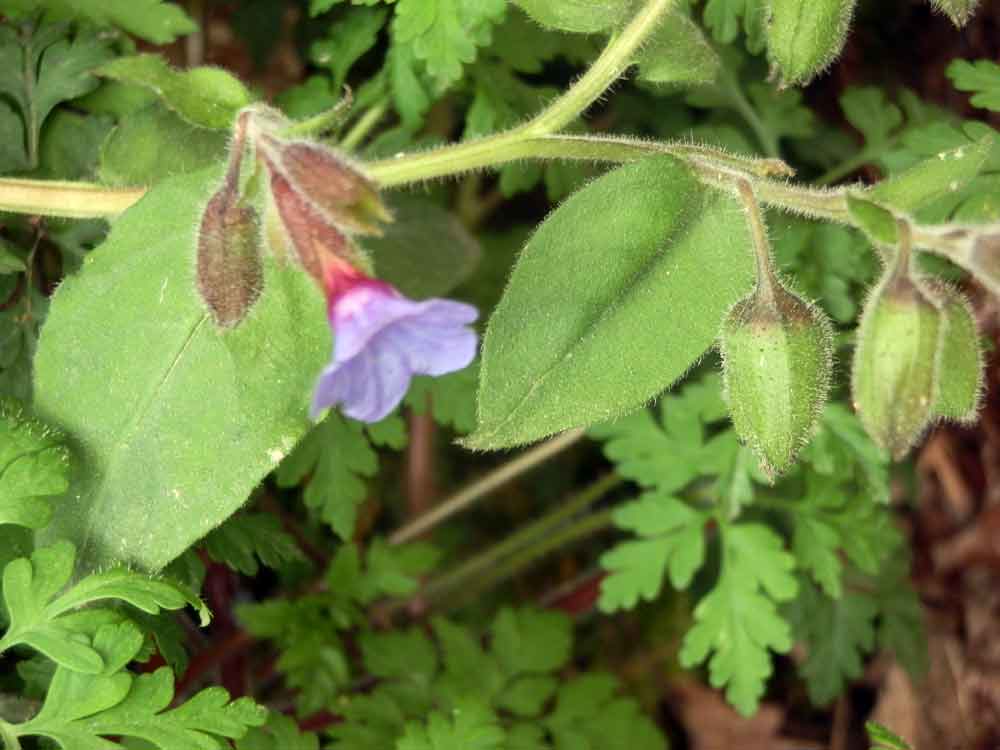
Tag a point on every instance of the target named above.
point(315, 243)
point(336, 189)
point(229, 274)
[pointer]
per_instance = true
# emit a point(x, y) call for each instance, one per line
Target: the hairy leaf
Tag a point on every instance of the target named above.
point(34, 466)
point(207, 97)
point(579, 335)
point(179, 384)
point(155, 21)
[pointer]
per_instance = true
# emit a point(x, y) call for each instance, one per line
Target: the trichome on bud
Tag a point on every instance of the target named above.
point(229, 272)
point(894, 379)
point(805, 36)
point(959, 359)
point(777, 356)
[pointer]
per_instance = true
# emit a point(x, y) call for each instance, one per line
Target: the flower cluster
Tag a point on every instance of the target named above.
point(317, 202)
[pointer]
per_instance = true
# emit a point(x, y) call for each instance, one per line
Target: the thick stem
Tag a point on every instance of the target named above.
point(485, 485)
point(69, 200)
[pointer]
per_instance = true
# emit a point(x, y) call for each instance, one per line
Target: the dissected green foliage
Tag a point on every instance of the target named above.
point(34, 467)
point(173, 424)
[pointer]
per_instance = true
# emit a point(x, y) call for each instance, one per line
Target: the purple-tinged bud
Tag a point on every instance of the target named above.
point(229, 269)
point(336, 189)
point(315, 243)
point(229, 273)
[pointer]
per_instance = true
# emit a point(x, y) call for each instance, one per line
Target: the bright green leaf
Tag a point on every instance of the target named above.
point(248, 537)
point(34, 465)
point(446, 34)
point(577, 16)
point(179, 384)
point(678, 53)
point(981, 78)
point(207, 97)
point(581, 333)
point(338, 457)
point(81, 709)
point(42, 615)
point(737, 623)
point(153, 144)
point(153, 20)
point(671, 540)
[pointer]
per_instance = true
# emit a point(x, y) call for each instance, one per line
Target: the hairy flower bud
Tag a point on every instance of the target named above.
point(960, 359)
point(315, 243)
point(895, 360)
point(805, 36)
point(229, 273)
point(777, 356)
point(333, 187)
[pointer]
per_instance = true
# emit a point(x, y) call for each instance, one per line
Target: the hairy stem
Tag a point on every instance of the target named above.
point(761, 245)
point(483, 486)
point(525, 538)
point(614, 60)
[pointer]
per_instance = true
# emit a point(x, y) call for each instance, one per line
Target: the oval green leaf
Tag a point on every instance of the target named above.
point(617, 294)
point(174, 419)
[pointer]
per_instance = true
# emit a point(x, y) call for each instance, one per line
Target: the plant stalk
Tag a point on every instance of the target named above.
point(483, 486)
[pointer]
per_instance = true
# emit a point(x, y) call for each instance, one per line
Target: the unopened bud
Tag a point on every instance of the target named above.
point(334, 187)
point(777, 356)
point(895, 357)
point(315, 242)
point(805, 36)
point(959, 11)
point(229, 273)
point(959, 359)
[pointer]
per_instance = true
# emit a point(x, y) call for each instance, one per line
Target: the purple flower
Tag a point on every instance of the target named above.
point(382, 339)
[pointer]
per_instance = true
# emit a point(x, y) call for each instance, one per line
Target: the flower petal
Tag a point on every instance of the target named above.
point(369, 307)
point(433, 349)
point(367, 387)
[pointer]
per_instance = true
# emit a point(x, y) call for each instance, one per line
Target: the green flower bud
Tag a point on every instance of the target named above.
point(805, 36)
point(777, 357)
point(229, 273)
point(960, 359)
point(959, 11)
point(895, 360)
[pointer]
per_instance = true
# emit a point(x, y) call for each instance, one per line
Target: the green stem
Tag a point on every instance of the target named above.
point(765, 137)
point(485, 485)
point(614, 60)
point(761, 245)
point(326, 120)
point(838, 172)
point(534, 533)
point(567, 535)
point(362, 127)
point(70, 200)
point(519, 142)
